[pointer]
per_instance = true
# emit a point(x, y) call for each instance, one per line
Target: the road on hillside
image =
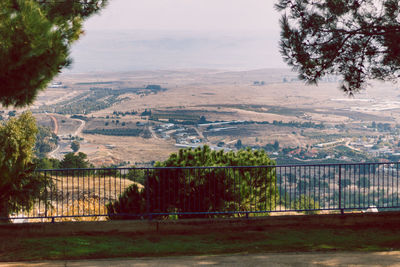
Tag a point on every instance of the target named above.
point(347, 144)
point(80, 128)
point(64, 145)
point(53, 154)
point(55, 123)
point(153, 134)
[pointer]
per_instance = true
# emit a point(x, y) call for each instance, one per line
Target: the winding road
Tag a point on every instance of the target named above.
point(63, 145)
point(80, 128)
point(55, 124)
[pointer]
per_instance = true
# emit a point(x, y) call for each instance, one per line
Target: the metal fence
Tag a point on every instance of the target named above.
point(199, 192)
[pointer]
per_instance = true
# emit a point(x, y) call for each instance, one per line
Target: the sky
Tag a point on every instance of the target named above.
point(174, 34)
point(187, 15)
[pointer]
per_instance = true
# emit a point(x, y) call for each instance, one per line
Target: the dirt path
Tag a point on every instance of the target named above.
point(52, 154)
point(153, 133)
point(80, 128)
point(271, 259)
point(352, 148)
point(55, 131)
point(55, 123)
point(200, 134)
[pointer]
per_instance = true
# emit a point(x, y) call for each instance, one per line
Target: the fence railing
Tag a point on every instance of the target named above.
point(144, 193)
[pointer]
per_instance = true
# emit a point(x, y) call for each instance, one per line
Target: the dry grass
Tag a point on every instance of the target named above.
point(77, 198)
point(82, 207)
point(132, 149)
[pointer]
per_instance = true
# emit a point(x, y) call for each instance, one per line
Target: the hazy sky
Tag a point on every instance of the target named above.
point(174, 34)
point(189, 15)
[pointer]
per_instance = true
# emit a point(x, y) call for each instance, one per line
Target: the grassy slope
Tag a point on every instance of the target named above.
point(128, 245)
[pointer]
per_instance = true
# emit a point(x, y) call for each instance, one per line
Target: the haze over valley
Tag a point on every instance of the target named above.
point(138, 117)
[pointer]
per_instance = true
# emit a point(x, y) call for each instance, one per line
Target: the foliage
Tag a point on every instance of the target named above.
point(108, 171)
point(174, 116)
point(80, 117)
point(381, 127)
point(364, 182)
point(137, 175)
point(272, 147)
point(75, 161)
point(239, 144)
point(145, 133)
point(175, 189)
point(46, 141)
point(92, 100)
point(202, 119)
point(132, 201)
point(154, 87)
point(356, 39)
point(75, 146)
point(35, 40)
point(307, 124)
point(305, 203)
point(46, 163)
point(20, 186)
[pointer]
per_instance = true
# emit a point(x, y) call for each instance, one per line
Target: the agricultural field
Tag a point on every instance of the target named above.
point(116, 127)
point(143, 116)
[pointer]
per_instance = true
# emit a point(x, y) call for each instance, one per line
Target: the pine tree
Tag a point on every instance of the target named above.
point(35, 41)
point(357, 39)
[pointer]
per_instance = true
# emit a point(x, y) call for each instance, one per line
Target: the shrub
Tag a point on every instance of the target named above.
point(132, 201)
point(205, 190)
point(307, 204)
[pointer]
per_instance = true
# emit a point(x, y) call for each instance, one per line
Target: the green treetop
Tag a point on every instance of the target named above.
point(35, 41)
point(204, 156)
point(176, 189)
point(72, 161)
point(19, 185)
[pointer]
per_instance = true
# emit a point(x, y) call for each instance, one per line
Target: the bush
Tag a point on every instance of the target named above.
point(202, 190)
point(307, 204)
point(132, 201)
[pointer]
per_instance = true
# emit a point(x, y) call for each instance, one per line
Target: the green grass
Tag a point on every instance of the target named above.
point(129, 245)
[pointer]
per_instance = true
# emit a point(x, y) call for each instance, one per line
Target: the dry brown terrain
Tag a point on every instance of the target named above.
point(106, 150)
point(219, 95)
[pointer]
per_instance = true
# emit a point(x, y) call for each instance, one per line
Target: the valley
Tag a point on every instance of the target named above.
point(136, 118)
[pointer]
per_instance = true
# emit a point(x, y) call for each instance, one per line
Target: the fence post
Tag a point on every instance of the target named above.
point(45, 195)
point(147, 195)
point(340, 189)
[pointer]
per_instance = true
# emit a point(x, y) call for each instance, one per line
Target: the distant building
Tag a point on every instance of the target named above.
point(167, 125)
point(56, 85)
point(181, 134)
